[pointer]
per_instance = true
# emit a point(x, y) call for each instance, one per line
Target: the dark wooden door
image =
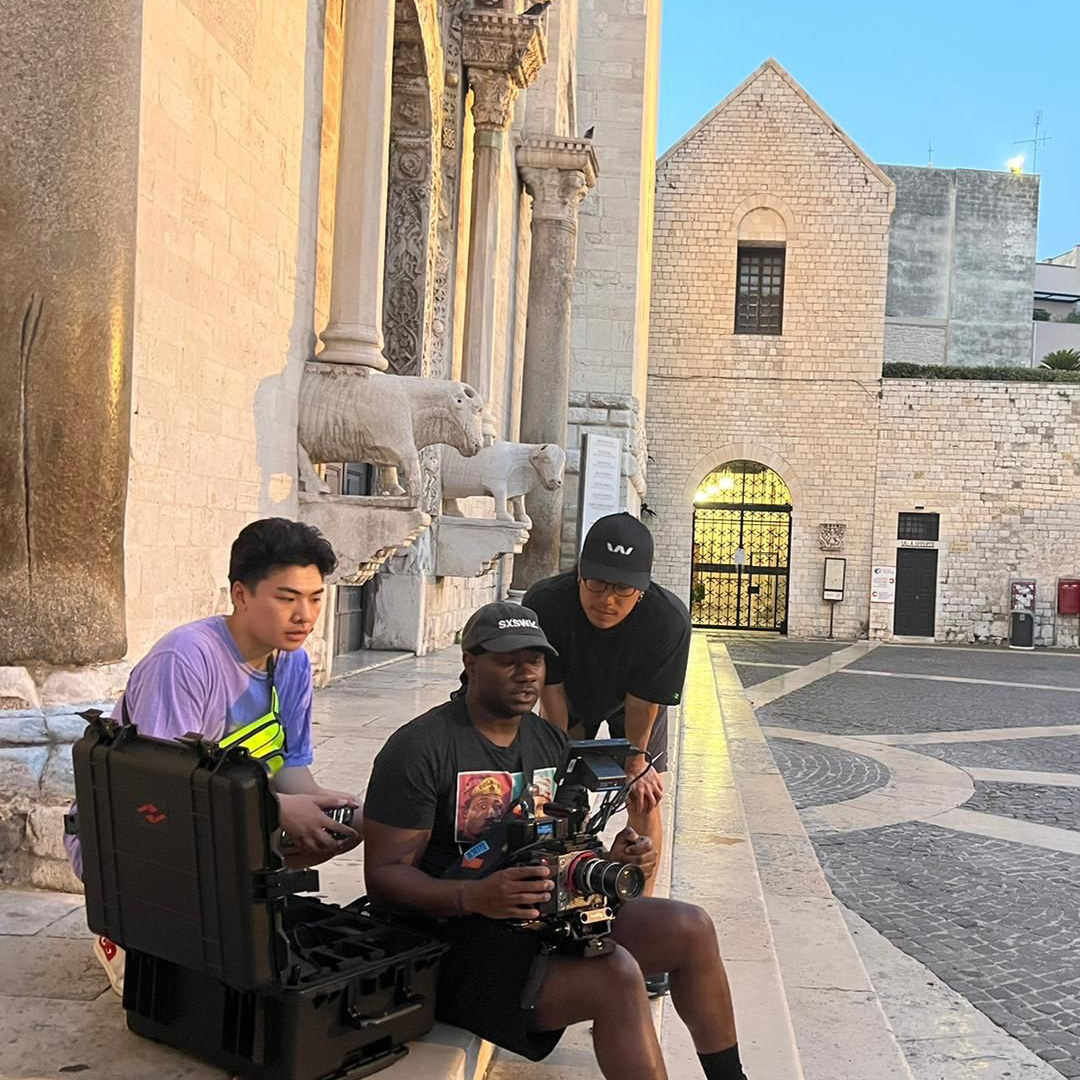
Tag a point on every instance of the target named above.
point(916, 592)
point(349, 619)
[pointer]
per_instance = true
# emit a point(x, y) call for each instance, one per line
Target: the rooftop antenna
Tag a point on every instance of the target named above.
point(1035, 142)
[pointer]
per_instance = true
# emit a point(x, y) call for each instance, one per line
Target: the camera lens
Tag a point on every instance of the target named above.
point(615, 880)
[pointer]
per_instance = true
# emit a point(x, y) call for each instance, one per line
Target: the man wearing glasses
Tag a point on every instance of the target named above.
point(623, 643)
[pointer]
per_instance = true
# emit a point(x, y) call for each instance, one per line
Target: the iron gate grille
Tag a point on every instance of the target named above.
point(742, 546)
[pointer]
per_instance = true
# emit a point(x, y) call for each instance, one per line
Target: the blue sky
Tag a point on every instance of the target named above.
point(967, 75)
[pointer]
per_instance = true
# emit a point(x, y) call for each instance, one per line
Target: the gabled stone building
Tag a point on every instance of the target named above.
point(778, 448)
point(766, 192)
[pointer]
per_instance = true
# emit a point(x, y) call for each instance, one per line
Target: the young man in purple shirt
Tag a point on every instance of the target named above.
point(245, 678)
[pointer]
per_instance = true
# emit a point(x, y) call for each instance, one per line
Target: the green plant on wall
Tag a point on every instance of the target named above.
point(1040, 314)
point(1062, 360)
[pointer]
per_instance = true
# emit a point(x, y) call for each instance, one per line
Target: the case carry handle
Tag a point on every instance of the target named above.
point(412, 1003)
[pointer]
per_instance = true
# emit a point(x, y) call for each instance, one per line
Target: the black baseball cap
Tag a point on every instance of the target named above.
point(504, 627)
point(618, 549)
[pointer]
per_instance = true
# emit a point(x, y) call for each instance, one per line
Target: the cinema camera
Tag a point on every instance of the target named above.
point(588, 886)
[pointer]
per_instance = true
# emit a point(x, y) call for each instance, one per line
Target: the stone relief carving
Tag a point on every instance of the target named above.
point(358, 414)
point(637, 456)
point(503, 53)
point(831, 535)
point(556, 193)
point(494, 93)
point(406, 255)
point(445, 224)
point(505, 471)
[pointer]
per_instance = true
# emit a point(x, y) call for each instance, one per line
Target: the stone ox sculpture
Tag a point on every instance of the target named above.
point(505, 471)
point(350, 414)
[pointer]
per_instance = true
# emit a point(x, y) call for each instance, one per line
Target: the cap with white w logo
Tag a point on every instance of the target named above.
point(618, 549)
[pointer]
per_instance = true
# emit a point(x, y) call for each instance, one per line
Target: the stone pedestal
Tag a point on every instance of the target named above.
point(558, 174)
point(354, 332)
point(502, 54)
point(365, 530)
point(69, 140)
point(469, 547)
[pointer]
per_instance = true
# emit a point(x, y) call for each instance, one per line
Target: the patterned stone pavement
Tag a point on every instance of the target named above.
point(819, 775)
point(1042, 804)
point(995, 917)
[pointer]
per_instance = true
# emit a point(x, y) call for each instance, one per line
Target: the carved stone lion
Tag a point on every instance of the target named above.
point(357, 414)
point(505, 471)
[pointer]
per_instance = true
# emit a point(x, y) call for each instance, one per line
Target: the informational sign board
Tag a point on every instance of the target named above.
point(883, 585)
point(917, 543)
point(835, 571)
point(601, 480)
point(1022, 595)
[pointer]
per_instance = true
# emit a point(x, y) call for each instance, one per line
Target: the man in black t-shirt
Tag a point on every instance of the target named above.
point(623, 643)
point(433, 784)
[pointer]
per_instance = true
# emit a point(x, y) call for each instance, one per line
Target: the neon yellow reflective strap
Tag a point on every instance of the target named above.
point(263, 738)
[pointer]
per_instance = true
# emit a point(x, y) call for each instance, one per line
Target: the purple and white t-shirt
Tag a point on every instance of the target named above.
point(195, 680)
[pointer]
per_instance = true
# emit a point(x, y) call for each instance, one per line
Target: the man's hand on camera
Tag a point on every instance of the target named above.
point(509, 894)
point(629, 847)
point(310, 829)
point(645, 794)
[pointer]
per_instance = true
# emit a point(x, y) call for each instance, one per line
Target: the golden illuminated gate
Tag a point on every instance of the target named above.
point(742, 546)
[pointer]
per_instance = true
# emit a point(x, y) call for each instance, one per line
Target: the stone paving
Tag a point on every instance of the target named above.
point(819, 775)
point(1042, 804)
point(989, 904)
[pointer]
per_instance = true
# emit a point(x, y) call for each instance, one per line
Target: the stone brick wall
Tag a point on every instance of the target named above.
point(617, 92)
point(908, 343)
point(601, 413)
point(805, 402)
point(1000, 462)
point(228, 193)
point(962, 256)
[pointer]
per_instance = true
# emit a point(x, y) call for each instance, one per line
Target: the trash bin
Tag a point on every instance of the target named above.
point(1022, 630)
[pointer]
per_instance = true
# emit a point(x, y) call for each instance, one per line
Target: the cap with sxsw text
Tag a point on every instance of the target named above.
point(504, 627)
point(618, 549)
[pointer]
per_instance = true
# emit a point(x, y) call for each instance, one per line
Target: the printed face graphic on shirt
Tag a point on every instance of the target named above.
point(483, 798)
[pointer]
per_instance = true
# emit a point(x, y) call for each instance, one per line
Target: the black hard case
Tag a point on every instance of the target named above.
point(223, 960)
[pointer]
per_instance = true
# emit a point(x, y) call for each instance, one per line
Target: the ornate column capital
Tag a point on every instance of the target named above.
point(558, 173)
point(503, 54)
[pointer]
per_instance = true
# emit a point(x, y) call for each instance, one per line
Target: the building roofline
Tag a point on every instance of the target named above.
point(775, 66)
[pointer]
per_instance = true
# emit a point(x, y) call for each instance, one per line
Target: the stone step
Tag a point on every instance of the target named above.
point(800, 956)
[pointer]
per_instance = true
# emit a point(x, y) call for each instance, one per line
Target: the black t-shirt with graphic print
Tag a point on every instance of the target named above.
point(645, 655)
point(439, 773)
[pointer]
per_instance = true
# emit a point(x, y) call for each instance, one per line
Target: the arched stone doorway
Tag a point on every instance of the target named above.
point(741, 549)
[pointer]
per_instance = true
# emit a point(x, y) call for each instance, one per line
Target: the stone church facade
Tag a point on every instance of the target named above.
point(780, 268)
point(307, 259)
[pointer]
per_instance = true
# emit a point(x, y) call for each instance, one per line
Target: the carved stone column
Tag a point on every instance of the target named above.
point(69, 140)
point(502, 54)
point(558, 174)
point(354, 332)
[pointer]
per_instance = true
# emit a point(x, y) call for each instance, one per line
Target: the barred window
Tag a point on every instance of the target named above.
point(759, 305)
point(918, 526)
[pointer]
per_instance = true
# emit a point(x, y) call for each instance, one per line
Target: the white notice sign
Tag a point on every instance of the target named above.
point(601, 480)
point(883, 585)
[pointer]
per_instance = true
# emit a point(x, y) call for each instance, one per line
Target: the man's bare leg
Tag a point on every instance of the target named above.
point(667, 935)
point(609, 991)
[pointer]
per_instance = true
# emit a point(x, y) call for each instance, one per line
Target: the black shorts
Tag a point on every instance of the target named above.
point(484, 979)
point(616, 722)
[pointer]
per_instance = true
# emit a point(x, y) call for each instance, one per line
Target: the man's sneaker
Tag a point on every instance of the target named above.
point(111, 957)
point(656, 986)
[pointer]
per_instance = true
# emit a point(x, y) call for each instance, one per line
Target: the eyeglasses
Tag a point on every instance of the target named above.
point(595, 585)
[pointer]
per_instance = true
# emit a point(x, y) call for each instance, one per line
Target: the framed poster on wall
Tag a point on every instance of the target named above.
point(600, 482)
point(835, 572)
